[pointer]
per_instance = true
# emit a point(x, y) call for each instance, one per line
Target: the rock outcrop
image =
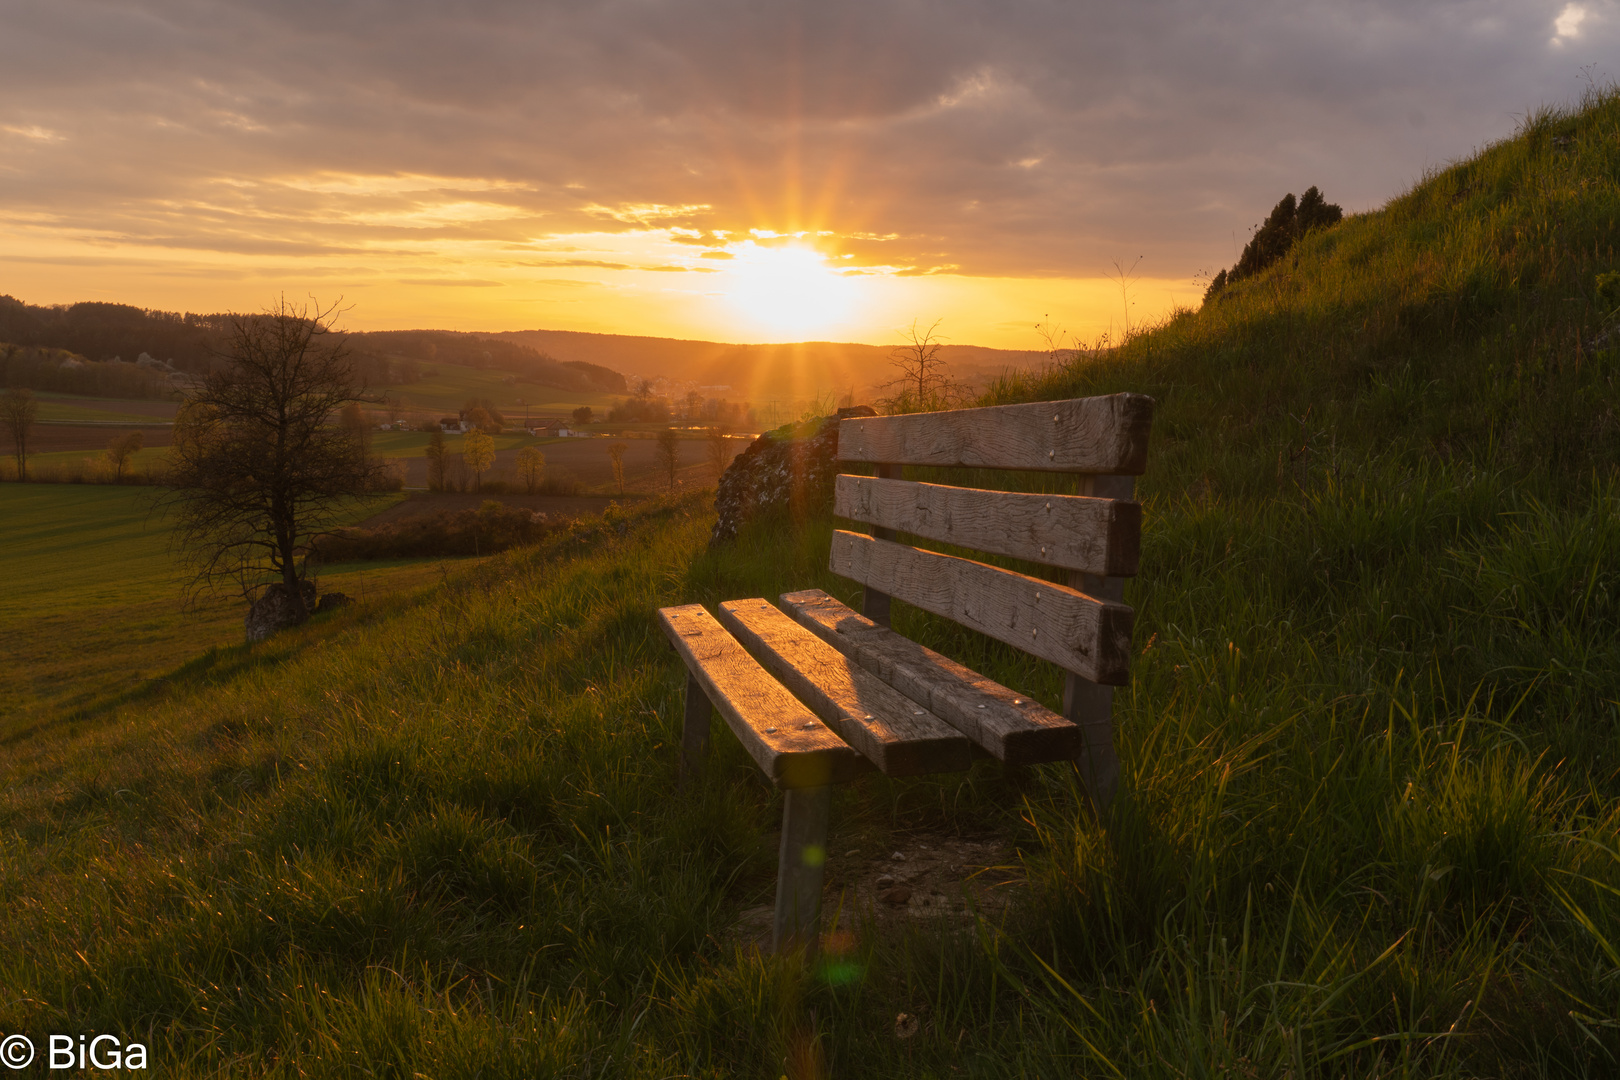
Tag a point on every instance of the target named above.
point(790, 469)
point(276, 609)
point(331, 601)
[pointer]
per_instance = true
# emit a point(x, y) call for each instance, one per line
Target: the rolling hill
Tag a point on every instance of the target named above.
point(802, 371)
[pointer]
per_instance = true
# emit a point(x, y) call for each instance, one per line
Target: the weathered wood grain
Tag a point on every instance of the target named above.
point(1088, 435)
point(875, 602)
point(694, 731)
point(801, 862)
point(898, 735)
point(786, 740)
point(1089, 704)
point(1098, 536)
point(1077, 632)
point(1005, 723)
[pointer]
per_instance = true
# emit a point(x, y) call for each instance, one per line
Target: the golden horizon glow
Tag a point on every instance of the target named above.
point(464, 253)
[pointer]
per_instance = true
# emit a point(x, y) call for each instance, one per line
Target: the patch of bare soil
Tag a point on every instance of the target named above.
point(923, 878)
point(50, 438)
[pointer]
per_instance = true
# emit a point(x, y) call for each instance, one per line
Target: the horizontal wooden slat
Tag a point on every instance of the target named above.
point(1081, 634)
point(1005, 723)
point(786, 740)
point(1085, 435)
point(899, 736)
point(1097, 536)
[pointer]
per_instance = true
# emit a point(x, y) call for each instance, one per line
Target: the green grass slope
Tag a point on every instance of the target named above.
point(1371, 796)
point(94, 604)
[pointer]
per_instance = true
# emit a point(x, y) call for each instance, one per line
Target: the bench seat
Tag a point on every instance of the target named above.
point(1004, 723)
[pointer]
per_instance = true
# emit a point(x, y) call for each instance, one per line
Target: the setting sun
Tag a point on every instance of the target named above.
point(787, 292)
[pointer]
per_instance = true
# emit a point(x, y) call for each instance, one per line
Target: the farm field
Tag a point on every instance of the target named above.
point(94, 607)
point(70, 408)
point(66, 448)
point(442, 394)
point(583, 459)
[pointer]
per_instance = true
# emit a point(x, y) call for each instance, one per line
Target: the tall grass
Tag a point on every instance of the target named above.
point(1370, 816)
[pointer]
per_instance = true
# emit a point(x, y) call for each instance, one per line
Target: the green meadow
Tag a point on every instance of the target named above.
point(1370, 820)
point(95, 606)
point(453, 386)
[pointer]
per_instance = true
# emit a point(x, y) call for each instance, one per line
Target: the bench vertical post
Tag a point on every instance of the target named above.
point(1085, 703)
point(694, 731)
point(874, 604)
point(800, 864)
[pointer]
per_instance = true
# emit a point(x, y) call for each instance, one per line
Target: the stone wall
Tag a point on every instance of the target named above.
point(788, 470)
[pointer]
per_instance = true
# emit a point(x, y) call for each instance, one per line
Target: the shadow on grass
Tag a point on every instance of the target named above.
point(219, 665)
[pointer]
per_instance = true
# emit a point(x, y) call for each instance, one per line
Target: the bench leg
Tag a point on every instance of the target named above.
point(694, 732)
point(1090, 705)
point(1086, 703)
point(800, 863)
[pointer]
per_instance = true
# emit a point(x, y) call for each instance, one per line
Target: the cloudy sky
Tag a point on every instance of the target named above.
point(741, 171)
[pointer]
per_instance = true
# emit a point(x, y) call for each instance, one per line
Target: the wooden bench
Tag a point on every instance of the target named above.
point(818, 694)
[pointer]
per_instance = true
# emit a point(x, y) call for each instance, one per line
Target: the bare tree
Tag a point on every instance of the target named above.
point(119, 451)
point(259, 466)
point(435, 453)
point(718, 457)
point(531, 465)
point(478, 451)
point(18, 409)
point(923, 382)
point(669, 453)
point(616, 454)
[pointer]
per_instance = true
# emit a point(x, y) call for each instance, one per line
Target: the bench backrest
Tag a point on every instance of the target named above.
point(1095, 535)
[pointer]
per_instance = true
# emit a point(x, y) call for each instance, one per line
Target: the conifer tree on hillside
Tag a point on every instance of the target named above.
point(1288, 221)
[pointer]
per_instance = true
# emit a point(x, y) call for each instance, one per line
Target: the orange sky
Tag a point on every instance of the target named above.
point(634, 283)
point(725, 169)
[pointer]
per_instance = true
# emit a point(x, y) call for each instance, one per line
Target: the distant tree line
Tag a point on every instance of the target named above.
point(68, 373)
point(99, 332)
point(643, 408)
point(1287, 223)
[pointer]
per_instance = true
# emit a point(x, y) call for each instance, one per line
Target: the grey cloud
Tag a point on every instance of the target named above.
point(1025, 137)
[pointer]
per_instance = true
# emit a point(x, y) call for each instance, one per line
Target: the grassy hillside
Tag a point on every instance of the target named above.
point(1371, 791)
point(94, 607)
